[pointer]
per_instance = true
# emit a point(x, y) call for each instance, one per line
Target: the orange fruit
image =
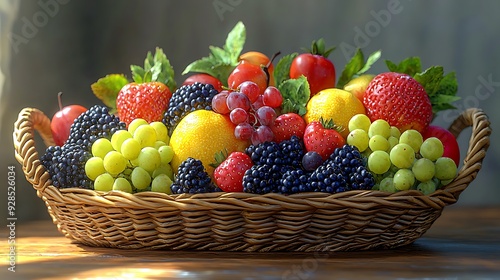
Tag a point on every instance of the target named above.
point(200, 135)
point(336, 104)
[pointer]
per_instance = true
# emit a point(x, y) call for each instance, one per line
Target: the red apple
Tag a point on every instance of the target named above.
point(450, 144)
point(204, 79)
point(63, 119)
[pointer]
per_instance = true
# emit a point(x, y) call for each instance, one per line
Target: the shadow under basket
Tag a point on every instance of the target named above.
point(348, 221)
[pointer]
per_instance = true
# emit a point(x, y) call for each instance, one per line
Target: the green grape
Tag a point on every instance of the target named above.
point(166, 154)
point(359, 138)
point(446, 182)
point(101, 147)
point(164, 168)
point(379, 127)
point(403, 179)
point(359, 121)
point(378, 143)
point(118, 138)
point(122, 184)
point(432, 148)
point(146, 135)
point(114, 162)
point(446, 169)
point(427, 187)
point(395, 132)
point(161, 183)
point(94, 167)
point(159, 144)
point(104, 182)
point(387, 185)
point(379, 162)
point(130, 148)
point(140, 178)
point(133, 125)
point(161, 131)
point(402, 155)
point(423, 169)
point(149, 158)
point(393, 141)
point(412, 138)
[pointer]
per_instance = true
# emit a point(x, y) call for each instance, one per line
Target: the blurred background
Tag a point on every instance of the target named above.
point(49, 46)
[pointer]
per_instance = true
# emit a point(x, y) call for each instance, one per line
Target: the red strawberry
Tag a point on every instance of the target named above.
point(229, 174)
point(143, 100)
point(323, 138)
point(287, 125)
point(400, 100)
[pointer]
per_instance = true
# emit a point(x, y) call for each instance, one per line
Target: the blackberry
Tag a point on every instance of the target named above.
point(93, 124)
point(294, 181)
point(192, 178)
point(344, 170)
point(66, 165)
point(186, 99)
point(288, 152)
point(293, 151)
point(264, 178)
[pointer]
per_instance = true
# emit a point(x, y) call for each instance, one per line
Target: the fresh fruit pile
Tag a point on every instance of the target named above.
point(241, 122)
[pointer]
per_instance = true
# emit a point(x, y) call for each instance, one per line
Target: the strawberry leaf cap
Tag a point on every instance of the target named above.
point(221, 61)
point(156, 68)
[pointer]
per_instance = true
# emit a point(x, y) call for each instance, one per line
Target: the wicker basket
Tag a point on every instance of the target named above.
point(354, 220)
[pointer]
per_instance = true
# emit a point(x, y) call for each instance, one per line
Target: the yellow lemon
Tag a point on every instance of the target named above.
point(336, 104)
point(200, 135)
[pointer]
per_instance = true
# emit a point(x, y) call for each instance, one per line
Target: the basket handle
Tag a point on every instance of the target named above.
point(29, 120)
point(478, 145)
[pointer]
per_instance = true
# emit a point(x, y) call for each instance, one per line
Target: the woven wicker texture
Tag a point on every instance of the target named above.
point(354, 220)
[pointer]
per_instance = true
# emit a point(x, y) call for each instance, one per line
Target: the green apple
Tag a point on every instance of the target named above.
point(358, 85)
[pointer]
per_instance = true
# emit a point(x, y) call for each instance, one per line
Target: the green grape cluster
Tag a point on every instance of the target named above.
point(400, 161)
point(136, 159)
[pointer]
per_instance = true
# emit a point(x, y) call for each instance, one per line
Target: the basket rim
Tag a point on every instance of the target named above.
point(32, 119)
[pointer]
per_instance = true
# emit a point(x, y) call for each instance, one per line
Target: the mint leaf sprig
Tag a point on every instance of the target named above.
point(221, 61)
point(157, 68)
point(357, 66)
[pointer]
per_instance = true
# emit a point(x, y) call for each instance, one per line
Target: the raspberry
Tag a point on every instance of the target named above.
point(187, 99)
point(142, 100)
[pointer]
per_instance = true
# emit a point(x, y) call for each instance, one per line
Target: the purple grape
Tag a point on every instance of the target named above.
point(311, 160)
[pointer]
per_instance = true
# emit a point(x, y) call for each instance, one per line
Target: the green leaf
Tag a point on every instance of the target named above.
point(357, 66)
point(372, 58)
point(352, 67)
point(235, 41)
point(296, 94)
point(282, 68)
point(430, 79)
point(156, 68)
point(410, 66)
point(221, 59)
point(107, 88)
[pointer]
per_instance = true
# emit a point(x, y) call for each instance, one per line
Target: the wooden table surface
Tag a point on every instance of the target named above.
point(464, 243)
